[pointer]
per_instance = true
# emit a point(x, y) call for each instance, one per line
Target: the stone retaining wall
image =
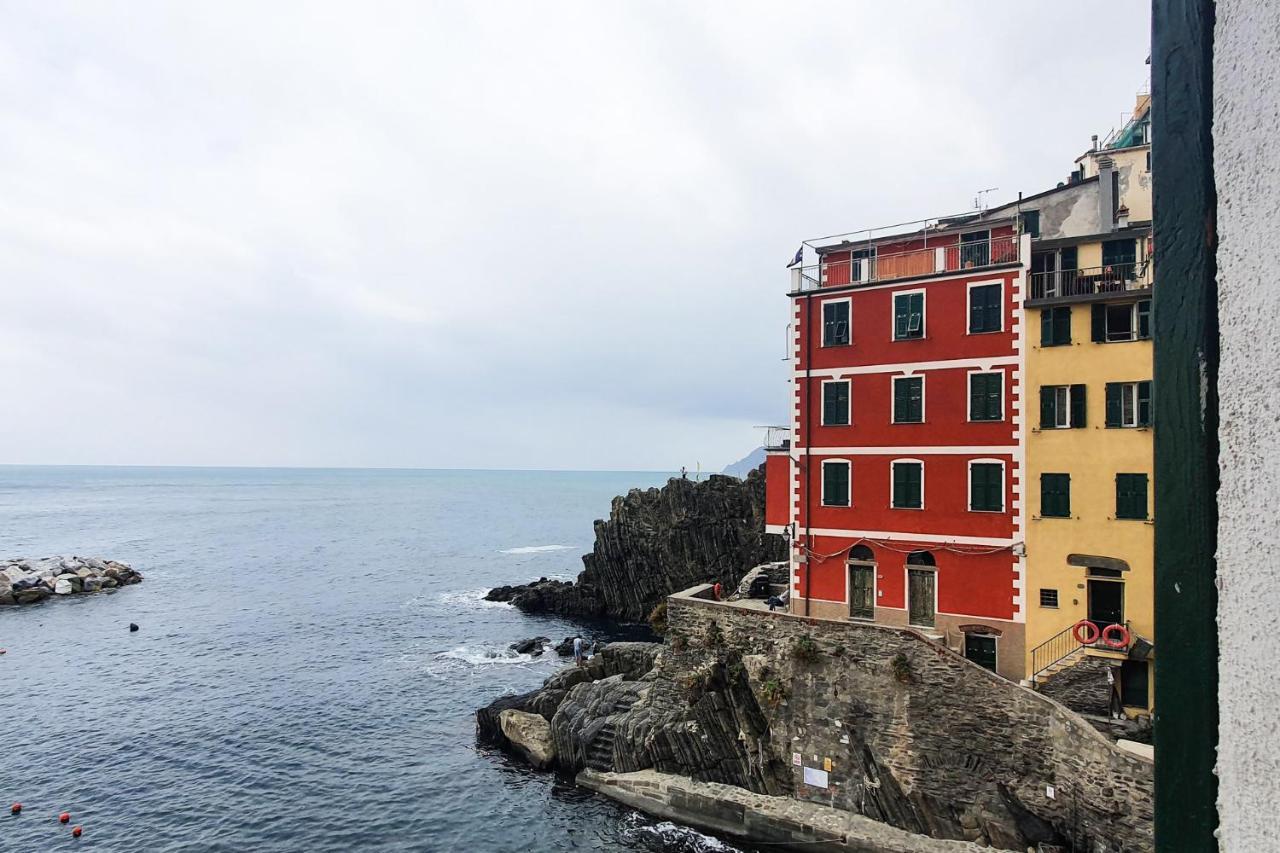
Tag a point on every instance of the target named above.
point(882, 709)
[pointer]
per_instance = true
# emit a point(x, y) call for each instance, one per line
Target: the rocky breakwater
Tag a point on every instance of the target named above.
point(27, 581)
point(658, 541)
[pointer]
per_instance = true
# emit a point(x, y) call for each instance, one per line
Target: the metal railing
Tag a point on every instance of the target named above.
point(1112, 278)
point(1063, 645)
point(776, 437)
point(876, 266)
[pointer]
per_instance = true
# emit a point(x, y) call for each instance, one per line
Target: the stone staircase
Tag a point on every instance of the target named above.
point(600, 750)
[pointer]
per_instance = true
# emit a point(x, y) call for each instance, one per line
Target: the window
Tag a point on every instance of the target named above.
point(908, 316)
point(1119, 252)
point(986, 486)
point(986, 391)
point(1048, 598)
point(975, 249)
point(835, 403)
point(908, 485)
point(1128, 404)
point(1131, 496)
point(1062, 406)
point(1031, 222)
point(908, 399)
point(984, 308)
point(835, 483)
point(1055, 495)
point(835, 323)
point(1055, 326)
point(1124, 322)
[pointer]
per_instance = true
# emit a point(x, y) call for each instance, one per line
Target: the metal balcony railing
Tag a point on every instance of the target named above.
point(870, 265)
point(1112, 278)
point(776, 437)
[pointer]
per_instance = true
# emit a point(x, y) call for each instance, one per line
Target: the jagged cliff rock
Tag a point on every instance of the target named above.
point(658, 541)
point(910, 734)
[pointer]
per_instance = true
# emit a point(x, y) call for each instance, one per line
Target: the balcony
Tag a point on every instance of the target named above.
point(871, 266)
point(1091, 283)
point(776, 437)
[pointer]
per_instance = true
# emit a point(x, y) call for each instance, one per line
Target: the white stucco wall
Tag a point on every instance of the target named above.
point(1247, 170)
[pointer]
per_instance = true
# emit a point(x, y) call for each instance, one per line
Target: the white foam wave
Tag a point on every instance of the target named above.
point(535, 549)
point(486, 656)
point(673, 837)
point(458, 599)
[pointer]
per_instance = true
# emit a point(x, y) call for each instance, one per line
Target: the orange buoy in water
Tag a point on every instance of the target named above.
point(15, 808)
point(64, 817)
point(75, 831)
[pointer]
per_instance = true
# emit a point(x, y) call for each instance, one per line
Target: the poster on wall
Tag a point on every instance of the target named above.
point(815, 778)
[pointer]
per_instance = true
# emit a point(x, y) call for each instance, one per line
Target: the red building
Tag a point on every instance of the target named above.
point(899, 483)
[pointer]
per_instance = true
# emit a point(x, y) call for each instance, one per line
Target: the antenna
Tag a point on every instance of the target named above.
point(980, 203)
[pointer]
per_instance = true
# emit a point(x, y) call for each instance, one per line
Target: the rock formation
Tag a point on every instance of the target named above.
point(27, 581)
point(658, 541)
point(894, 728)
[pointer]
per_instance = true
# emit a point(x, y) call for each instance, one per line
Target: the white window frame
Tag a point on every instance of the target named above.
point(893, 314)
point(894, 462)
point(822, 402)
point(968, 305)
point(893, 398)
point(822, 485)
point(1133, 324)
point(822, 321)
point(1060, 411)
point(968, 394)
point(1004, 486)
point(1129, 390)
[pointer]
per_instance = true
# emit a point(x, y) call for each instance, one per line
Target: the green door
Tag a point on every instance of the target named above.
point(981, 649)
point(862, 595)
point(920, 595)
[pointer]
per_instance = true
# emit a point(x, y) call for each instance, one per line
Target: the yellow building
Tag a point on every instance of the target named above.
point(1089, 447)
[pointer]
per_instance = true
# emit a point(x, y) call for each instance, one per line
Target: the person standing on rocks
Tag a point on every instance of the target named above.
point(577, 651)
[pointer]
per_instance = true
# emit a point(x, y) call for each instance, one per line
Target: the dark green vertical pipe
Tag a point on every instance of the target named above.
point(1186, 425)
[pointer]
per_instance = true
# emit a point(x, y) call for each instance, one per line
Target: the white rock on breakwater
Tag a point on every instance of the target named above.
point(26, 581)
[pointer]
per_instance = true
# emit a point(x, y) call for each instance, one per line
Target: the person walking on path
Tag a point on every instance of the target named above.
point(577, 651)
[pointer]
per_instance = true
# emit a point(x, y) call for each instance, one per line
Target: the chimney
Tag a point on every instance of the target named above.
point(1106, 204)
point(1094, 140)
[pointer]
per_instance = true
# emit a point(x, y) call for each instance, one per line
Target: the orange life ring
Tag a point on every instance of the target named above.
point(1123, 641)
point(1091, 631)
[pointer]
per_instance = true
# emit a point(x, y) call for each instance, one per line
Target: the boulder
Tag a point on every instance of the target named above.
point(13, 573)
point(532, 646)
point(564, 648)
point(92, 584)
point(73, 580)
point(7, 598)
point(62, 587)
point(83, 573)
point(530, 735)
point(32, 594)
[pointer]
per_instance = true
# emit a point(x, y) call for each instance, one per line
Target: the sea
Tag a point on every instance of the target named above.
point(311, 648)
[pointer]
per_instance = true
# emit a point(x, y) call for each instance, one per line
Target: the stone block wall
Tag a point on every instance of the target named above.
point(914, 735)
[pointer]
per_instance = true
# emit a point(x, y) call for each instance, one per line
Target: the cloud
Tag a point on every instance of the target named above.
point(488, 235)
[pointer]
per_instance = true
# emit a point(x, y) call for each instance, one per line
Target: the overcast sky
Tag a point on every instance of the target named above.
point(498, 235)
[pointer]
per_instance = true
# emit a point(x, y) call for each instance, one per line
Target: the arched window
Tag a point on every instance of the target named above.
point(862, 554)
point(920, 558)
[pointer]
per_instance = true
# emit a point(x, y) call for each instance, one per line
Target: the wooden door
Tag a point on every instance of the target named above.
point(920, 597)
point(862, 593)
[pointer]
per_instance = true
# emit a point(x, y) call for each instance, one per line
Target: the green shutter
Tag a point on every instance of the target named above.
point(1055, 495)
point(907, 403)
point(1144, 319)
point(906, 485)
point(1131, 496)
point(1099, 324)
point(899, 400)
point(1114, 410)
point(1078, 419)
point(1046, 327)
point(1144, 403)
point(1047, 408)
point(1062, 325)
point(901, 310)
point(986, 487)
point(984, 396)
point(984, 308)
point(835, 484)
point(835, 403)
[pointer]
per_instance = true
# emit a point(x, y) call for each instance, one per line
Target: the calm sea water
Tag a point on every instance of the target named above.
point(312, 648)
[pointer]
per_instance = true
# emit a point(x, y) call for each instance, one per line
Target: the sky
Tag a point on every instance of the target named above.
point(481, 235)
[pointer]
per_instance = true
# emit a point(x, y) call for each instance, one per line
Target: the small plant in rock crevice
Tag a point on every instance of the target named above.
point(805, 650)
point(658, 618)
point(715, 637)
point(773, 692)
point(838, 652)
point(902, 669)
